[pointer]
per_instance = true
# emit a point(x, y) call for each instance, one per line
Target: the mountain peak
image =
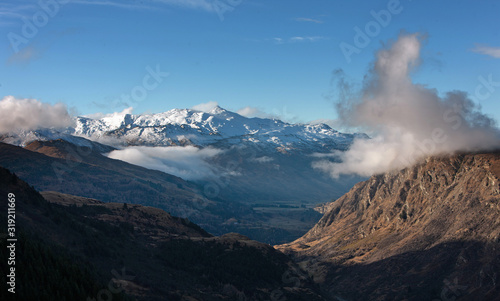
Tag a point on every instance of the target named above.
point(217, 110)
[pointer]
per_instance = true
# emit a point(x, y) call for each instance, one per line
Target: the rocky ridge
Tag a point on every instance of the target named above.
point(431, 231)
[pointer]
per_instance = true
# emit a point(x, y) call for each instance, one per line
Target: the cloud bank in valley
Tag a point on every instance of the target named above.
point(187, 162)
point(407, 121)
point(31, 114)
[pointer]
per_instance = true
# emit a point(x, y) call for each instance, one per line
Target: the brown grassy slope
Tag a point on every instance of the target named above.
point(413, 233)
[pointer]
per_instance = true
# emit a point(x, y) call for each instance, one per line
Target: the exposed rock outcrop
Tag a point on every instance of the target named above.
point(429, 232)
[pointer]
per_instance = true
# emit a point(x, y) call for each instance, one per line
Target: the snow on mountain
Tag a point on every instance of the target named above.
point(192, 127)
point(23, 137)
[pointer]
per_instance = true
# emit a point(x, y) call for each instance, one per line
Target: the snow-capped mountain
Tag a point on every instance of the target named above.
point(217, 126)
point(191, 127)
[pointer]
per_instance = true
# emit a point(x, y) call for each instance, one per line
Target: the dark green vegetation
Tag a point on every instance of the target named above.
point(44, 269)
point(46, 272)
point(243, 267)
point(74, 248)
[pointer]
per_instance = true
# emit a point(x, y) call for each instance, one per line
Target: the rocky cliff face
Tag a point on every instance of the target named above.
point(430, 232)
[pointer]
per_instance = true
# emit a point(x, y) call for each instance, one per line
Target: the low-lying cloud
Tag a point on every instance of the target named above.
point(187, 162)
point(407, 121)
point(31, 114)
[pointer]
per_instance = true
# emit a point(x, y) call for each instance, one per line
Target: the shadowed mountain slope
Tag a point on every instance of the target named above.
point(141, 251)
point(67, 168)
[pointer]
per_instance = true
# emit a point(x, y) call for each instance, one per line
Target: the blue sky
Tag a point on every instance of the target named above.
point(276, 56)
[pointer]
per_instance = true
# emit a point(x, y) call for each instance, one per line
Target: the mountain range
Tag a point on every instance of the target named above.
point(252, 152)
point(192, 127)
point(259, 168)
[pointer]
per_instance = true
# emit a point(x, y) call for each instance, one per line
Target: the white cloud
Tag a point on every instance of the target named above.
point(31, 114)
point(112, 4)
point(298, 39)
point(113, 120)
point(205, 107)
point(251, 112)
point(100, 115)
point(306, 39)
point(152, 4)
point(187, 162)
point(278, 40)
point(283, 114)
point(193, 4)
point(409, 121)
point(491, 51)
point(12, 13)
point(308, 20)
